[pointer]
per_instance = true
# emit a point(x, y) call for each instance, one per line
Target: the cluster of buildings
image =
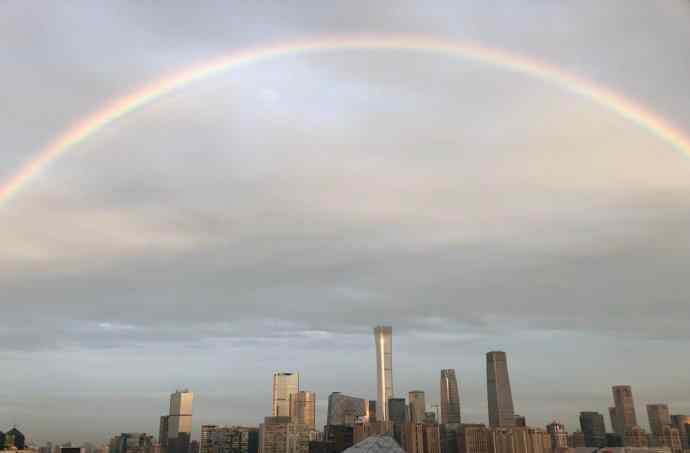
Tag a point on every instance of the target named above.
point(357, 424)
point(13, 439)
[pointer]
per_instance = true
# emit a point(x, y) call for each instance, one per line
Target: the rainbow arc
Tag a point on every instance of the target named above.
point(91, 124)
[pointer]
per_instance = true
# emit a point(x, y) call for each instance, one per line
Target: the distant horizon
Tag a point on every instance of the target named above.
point(322, 409)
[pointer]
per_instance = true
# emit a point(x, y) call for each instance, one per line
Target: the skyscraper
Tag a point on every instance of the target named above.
point(383, 337)
point(592, 425)
point(682, 424)
point(625, 408)
point(417, 406)
point(179, 422)
point(501, 411)
point(615, 423)
point(450, 398)
point(346, 410)
point(659, 416)
point(284, 385)
point(303, 408)
point(396, 410)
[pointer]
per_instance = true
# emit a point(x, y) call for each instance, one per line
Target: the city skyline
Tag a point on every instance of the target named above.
point(200, 195)
point(177, 427)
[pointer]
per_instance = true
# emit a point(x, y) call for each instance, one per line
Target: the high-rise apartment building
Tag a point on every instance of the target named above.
point(473, 438)
point(625, 408)
point(448, 434)
point(397, 410)
point(682, 424)
point(383, 337)
point(205, 438)
point(299, 436)
point(500, 397)
point(577, 440)
point(594, 429)
point(273, 435)
point(519, 440)
point(669, 437)
point(635, 437)
point(421, 438)
point(558, 434)
point(450, 398)
point(347, 410)
point(520, 421)
point(284, 385)
point(163, 434)
point(228, 439)
point(417, 402)
point(179, 422)
point(303, 408)
point(659, 416)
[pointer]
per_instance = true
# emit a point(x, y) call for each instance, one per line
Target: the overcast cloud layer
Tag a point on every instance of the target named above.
point(268, 218)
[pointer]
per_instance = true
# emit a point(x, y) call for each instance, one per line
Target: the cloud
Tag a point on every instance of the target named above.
point(267, 218)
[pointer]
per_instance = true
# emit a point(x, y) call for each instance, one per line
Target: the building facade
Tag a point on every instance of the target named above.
point(519, 440)
point(284, 385)
point(342, 437)
point(636, 437)
point(682, 424)
point(205, 438)
point(558, 435)
point(417, 401)
point(163, 434)
point(383, 337)
point(669, 437)
point(500, 397)
point(473, 438)
point(228, 439)
point(347, 410)
point(131, 443)
point(179, 422)
point(397, 410)
point(273, 435)
point(450, 398)
point(624, 408)
point(303, 408)
point(593, 428)
point(658, 416)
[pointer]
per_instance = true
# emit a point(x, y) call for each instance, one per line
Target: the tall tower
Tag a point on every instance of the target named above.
point(450, 398)
point(303, 408)
point(284, 385)
point(417, 405)
point(625, 408)
point(501, 411)
point(383, 337)
point(659, 416)
point(180, 421)
point(593, 428)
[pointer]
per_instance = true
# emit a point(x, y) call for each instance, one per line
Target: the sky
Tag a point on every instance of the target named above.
point(266, 219)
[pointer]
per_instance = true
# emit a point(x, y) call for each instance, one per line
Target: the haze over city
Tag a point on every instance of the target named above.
point(265, 218)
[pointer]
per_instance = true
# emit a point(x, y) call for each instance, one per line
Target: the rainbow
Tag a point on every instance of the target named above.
point(90, 125)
